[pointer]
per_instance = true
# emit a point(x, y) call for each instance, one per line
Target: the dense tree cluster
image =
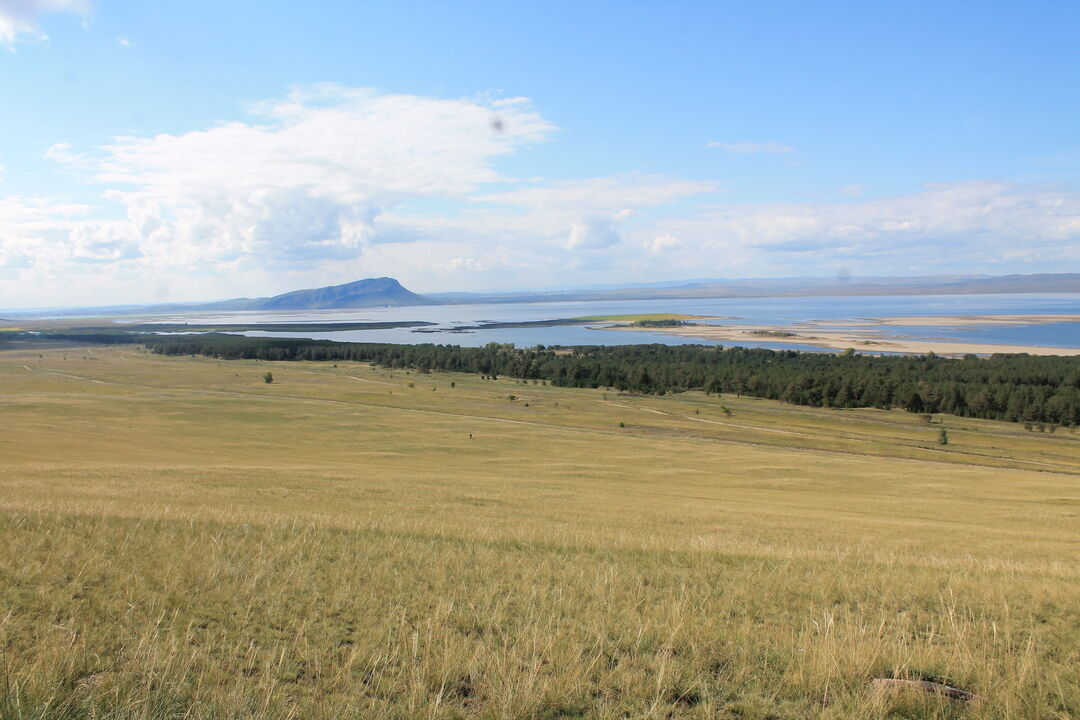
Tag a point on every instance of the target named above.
point(664, 323)
point(1003, 387)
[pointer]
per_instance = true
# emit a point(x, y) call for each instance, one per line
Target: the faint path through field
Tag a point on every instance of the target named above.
point(711, 422)
point(69, 375)
point(353, 377)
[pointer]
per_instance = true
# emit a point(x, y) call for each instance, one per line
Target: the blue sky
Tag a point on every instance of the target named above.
point(184, 151)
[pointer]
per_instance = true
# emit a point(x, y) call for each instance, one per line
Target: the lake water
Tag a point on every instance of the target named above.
point(775, 311)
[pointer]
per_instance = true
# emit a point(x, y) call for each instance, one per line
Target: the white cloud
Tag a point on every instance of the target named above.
point(19, 18)
point(465, 263)
point(17, 209)
point(750, 147)
point(38, 230)
point(302, 184)
point(664, 243)
point(330, 184)
point(615, 193)
point(123, 41)
point(47, 248)
point(61, 153)
point(544, 221)
point(959, 225)
point(579, 214)
point(592, 233)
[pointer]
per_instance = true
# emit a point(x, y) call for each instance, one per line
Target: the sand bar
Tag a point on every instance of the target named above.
point(862, 340)
point(963, 320)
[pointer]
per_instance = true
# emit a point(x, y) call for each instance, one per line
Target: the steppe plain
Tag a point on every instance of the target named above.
point(179, 538)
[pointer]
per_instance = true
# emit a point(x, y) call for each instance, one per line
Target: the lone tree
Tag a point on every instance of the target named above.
point(268, 378)
point(943, 437)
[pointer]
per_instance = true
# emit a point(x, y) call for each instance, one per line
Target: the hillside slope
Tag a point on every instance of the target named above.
point(369, 292)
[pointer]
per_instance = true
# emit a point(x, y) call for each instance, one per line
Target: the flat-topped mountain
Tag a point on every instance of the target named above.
point(370, 292)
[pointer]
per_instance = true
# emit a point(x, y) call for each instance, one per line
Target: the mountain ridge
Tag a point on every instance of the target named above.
point(387, 291)
point(369, 292)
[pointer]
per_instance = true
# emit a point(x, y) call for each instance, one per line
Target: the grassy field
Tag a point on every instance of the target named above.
point(180, 539)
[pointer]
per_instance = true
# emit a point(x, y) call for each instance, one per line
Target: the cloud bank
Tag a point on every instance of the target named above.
point(300, 185)
point(19, 18)
point(330, 183)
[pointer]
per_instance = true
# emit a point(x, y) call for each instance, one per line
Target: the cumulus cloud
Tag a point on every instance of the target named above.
point(61, 153)
point(592, 233)
point(34, 230)
point(443, 265)
point(582, 214)
point(978, 221)
point(302, 183)
point(331, 183)
point(19, 18)
point(664, 243)
point(17, 210)
point(750, 147)
point(545, 222)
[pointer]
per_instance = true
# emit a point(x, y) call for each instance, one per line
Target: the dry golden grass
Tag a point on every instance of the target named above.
point(180, 539)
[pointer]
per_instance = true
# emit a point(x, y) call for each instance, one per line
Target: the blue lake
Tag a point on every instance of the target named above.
point(774, 311)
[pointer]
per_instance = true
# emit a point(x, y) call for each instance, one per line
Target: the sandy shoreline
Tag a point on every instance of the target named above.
point(865, 341)
point(961, 320)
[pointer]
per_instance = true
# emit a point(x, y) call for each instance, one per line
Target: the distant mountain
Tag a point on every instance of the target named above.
point(386, 291)
point(372, 292)
point(791, 287)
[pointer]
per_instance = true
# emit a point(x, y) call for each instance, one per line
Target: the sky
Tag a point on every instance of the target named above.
point(169, 152)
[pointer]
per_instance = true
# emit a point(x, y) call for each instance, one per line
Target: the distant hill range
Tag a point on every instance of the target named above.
point(791, 287)
point(371, 292)
point(386, 291)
